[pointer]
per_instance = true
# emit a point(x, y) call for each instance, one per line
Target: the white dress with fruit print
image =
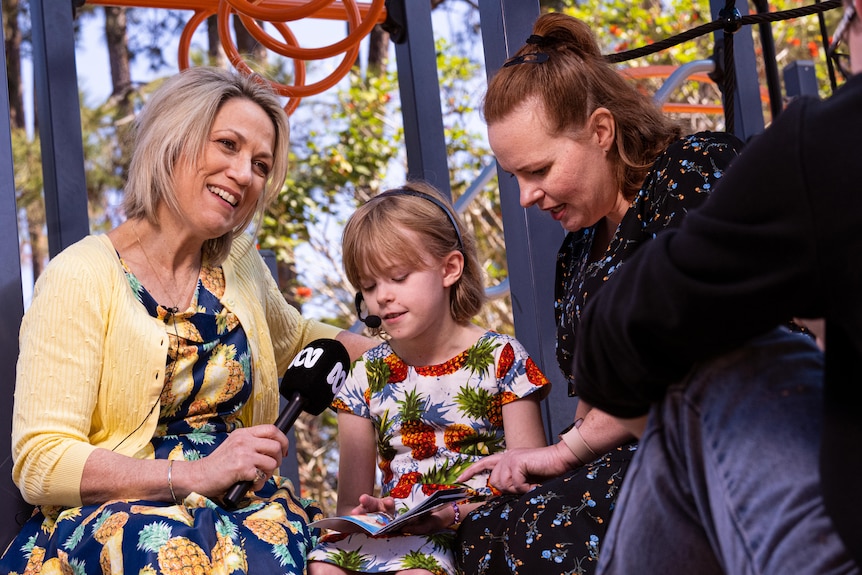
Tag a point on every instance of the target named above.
point(432, 422)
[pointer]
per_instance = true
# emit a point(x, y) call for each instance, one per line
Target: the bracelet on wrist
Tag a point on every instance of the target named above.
point(456, 520)
point(171, 481)
point(578, 446)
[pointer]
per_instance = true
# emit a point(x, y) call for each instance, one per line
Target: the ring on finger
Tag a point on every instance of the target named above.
point(258, 474)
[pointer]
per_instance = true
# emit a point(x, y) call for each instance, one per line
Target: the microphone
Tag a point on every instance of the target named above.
point(309, 384)
point(372, 321)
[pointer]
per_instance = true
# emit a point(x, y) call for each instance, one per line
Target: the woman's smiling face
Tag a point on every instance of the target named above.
point(224, 188)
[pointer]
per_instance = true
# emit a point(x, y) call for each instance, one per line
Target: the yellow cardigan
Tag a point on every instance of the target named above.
point(92, 362)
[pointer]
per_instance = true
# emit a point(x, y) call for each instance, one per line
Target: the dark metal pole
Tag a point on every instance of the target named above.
point(416, 61)
point(13, 509)
point(767, 43)
point(747, 108)
point(58, 108)
point(532, 239)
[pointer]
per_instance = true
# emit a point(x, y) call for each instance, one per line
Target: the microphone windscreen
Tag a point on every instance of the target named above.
point(316, 373)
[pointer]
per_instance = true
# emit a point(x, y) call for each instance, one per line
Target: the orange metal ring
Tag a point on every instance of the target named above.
point(297, 90)
point(277, 13)
point(293, 50)
point(360, 28)
point(334, 12)
point(360, 17)
point(186, 37)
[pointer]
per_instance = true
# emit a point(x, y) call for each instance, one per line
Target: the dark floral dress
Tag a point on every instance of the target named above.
point(208, 380)
point(557, 528)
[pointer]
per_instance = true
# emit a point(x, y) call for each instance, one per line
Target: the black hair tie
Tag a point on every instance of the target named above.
point(542, 41)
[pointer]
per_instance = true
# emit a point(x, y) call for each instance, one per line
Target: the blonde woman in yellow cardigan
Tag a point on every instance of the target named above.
point(148, 373)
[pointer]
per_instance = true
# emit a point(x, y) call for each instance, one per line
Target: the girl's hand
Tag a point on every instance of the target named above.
point(248, 454)
point(371, 504)
point(431, 522)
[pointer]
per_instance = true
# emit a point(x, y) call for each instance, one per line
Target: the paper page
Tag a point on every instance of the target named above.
point(381, 523)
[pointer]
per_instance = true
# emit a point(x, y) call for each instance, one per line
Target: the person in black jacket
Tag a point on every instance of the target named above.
point(746, 464)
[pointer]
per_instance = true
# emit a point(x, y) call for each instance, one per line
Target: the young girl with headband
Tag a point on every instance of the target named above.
point(439, 394)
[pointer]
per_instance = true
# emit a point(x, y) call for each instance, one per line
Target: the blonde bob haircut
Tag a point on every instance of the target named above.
point(563, 72)
point(378, 236)
point(175, 124)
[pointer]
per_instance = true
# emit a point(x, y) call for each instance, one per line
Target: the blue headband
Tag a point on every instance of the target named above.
point(433, 200)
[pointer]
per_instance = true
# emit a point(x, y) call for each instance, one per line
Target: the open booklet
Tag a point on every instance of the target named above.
point(381, 523)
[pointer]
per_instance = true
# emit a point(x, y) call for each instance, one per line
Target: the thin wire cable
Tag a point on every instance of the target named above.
point(169, 363)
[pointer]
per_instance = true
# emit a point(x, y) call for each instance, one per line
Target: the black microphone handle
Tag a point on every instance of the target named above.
point(285, 420)
point(291, 411)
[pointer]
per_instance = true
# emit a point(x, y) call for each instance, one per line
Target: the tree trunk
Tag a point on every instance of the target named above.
point(12, 35)
point(246, 45)
point(215, 51)
point(118, 54)
point(119, 59)
point(37, 238)
point(378, 50)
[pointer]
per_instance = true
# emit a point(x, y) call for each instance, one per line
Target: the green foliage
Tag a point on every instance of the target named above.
point(343, 154)
point(621, 25)
point(459, 75)
point(27, 161)
point(105, 132)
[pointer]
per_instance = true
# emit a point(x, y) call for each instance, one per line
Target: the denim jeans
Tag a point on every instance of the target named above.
point(726, 477)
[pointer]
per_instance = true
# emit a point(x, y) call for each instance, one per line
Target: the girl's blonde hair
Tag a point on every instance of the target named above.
point(376, 238)
point(562, 70)
point(174, 126)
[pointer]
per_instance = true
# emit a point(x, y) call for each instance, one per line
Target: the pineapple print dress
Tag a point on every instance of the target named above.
point(557, 528)
point(208, 380)
point(432, 422)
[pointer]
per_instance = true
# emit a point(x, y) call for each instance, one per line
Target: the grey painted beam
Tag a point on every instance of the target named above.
point(419, 87)
point(13, 509)
point(58, 109)
point(532, 238)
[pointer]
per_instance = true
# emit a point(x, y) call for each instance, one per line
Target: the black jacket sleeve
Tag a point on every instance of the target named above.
point(736, 267)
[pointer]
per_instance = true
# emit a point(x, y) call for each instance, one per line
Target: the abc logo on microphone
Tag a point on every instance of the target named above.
point(308, 358)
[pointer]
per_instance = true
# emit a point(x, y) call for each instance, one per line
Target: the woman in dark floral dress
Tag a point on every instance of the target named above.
point(598, 157)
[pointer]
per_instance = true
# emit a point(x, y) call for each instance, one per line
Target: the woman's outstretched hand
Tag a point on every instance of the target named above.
point(520, 470)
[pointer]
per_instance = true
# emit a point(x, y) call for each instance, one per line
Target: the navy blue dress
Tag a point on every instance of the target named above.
point(208, 380)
